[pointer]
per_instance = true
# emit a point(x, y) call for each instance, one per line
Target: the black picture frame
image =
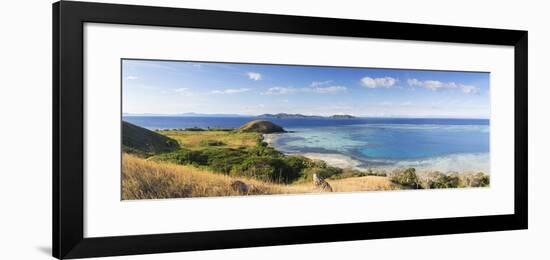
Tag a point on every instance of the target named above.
point(68, 130)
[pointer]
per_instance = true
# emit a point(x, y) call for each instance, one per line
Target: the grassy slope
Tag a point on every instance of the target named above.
point(143, 179)
point(140, 140)
point(366, 183)
point(194, 139)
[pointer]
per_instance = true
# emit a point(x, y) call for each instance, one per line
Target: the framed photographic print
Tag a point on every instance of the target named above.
point(179, 129)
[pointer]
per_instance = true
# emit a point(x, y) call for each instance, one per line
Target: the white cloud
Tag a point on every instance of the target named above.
point(291, 90)
point(179, 90)
point(254, 76)
point(414, 82)
point(183, 91)
point(437, 85)
point(131, 78)
point(385, 82)
point(469, 89)
point(329, 90)
point(230, 91)
point(320, 83)
point(281, 91)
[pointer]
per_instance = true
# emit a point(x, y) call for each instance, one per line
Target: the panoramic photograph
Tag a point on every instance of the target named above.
point(208, 129)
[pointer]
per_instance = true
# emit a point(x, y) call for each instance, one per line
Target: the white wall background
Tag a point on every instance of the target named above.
point(25, 131)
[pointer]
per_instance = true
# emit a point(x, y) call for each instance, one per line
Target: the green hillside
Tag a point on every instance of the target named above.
point(260, 126)
point(142, 141)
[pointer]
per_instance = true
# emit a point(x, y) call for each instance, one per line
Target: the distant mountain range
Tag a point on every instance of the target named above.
point(191, 114)
point(285, 115)
point(279, 115)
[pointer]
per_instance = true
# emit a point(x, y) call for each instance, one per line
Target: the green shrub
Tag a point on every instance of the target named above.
point(381, 172)
point(438, 180)
point(407, 178)
point(211, 143)
point(264, 151)
point(348, 173)
point(221, 129)
point(370, 172)
point(222, 160)
point(318, 164)
point(263, 144)
point(484, 180)
point(296, 163)
point(197, 129)
point(443, 181)
point(266, 169)
point(326, 172)
point(479, 179)
point(375, 172)
point(184, 156)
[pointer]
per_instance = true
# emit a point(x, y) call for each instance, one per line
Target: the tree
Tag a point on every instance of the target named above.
point(406, 178)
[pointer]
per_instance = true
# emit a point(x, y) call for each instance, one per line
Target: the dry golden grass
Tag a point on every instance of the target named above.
point(366, 183)
point(143, 179)
point(193, 139)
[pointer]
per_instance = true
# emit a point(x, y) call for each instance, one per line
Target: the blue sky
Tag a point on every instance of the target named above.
point(173, 87)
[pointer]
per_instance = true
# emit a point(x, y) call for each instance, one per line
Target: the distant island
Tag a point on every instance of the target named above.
point(285, 115)
point(342, 116)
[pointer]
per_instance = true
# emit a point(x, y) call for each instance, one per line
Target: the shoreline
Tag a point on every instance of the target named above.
point(269, 139)
point(334, 160)
point(331, 159)
point(461, 163)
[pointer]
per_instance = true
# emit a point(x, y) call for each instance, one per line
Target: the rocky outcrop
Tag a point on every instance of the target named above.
point(240, 187)
point(260, 126)
point(320, 184)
